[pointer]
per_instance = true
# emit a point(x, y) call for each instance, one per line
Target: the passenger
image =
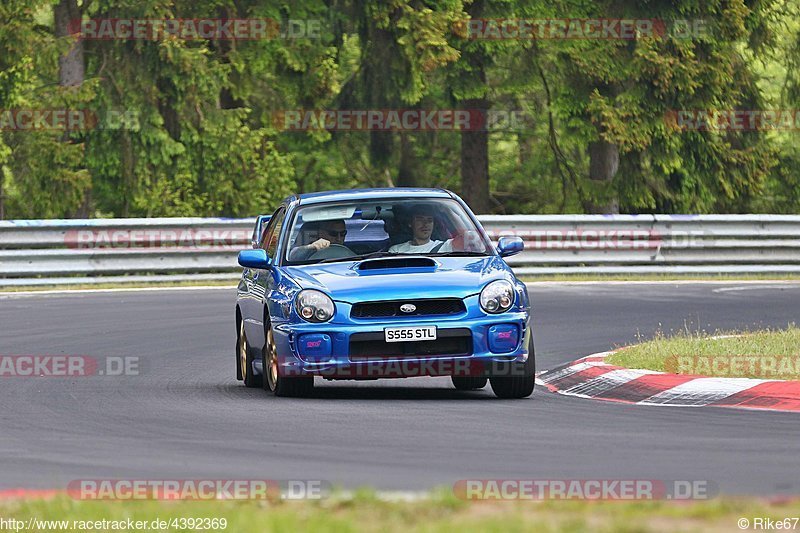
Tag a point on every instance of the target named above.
point(422, 222)
point(330, 232)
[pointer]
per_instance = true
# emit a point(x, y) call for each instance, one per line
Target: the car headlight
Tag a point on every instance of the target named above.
point(497, 297)
point(314, 306)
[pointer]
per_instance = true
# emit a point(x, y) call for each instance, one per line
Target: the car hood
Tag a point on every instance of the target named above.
point(451, 277)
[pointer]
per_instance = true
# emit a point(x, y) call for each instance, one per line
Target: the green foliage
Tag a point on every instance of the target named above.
point(187, 127)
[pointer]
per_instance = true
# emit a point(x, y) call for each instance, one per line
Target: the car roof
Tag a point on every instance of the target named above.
point(369, 194)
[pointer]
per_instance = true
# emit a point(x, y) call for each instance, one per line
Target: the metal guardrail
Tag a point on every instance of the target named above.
point(38, 252)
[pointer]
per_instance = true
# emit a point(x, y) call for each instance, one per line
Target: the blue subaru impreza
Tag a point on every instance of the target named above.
point(381, 283)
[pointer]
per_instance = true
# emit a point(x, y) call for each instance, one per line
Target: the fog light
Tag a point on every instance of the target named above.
point(503, 338)
point(314, 346)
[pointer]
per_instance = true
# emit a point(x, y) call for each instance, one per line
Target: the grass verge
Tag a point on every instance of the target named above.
point(770, 354)
point(365, 512)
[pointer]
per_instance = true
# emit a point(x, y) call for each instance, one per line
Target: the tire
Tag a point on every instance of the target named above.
point(245, 358)
point(278, 385)
point(236, 352)
point(468, 383)
point(517, 386)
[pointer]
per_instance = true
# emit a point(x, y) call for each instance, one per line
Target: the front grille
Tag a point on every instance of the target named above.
point(441, 306)
point(451, 342)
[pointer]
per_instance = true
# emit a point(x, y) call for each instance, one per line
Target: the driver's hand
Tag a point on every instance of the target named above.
point(320, 244)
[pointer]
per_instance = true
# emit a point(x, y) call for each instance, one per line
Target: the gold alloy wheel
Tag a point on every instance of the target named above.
point(272, 361)
point(243, 352)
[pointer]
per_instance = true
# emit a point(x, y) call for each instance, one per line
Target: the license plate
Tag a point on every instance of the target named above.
point(422, 333)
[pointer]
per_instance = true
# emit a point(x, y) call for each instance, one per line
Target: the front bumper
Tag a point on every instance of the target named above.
point(466, 345)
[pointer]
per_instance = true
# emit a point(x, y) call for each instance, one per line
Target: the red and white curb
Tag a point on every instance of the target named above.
point(592, 377)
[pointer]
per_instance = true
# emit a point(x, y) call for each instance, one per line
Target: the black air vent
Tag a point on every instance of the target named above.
point(443, 306)
point(398, 262)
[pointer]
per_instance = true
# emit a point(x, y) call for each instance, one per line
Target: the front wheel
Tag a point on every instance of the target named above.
point(273, 381)
point(517, 386)
point(244, 367)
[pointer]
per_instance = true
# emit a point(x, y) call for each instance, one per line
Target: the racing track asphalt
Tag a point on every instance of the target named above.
point(185, 416)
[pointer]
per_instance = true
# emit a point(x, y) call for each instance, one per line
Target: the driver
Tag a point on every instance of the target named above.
point(422, 220)
point(330, 232)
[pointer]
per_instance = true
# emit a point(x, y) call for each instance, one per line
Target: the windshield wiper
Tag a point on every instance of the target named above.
point(464, 253)
point(372, 255)
point(357, 257)
point(332, 260)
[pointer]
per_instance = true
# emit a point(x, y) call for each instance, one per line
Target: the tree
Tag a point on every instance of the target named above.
point(188, 127)
point(617, 93)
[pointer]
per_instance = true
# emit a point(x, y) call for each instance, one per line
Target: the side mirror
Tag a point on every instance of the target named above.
point(255, 259)
point(507, 246)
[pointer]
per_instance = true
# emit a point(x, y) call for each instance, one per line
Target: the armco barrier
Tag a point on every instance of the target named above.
point(38, 252)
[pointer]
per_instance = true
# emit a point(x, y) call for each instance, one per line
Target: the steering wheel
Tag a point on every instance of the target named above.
point(334, 251)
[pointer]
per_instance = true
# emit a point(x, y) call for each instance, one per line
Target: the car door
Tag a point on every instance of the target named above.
point(261, 282)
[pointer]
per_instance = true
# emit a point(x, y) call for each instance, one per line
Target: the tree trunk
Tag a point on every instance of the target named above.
point(475, 143)
point(126, 147)
point(603, 166)
point(224, 47)
point(167, 104)
point(378, 83)
point(85, 209)
point(71, 70)
point(475, 163)
point(408, 168)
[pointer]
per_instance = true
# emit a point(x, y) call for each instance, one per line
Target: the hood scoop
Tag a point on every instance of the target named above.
point(397, 262)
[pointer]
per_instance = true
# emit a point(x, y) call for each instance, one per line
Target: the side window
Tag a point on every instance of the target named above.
point(264, 232)
point(260, 231)
point(273, 233)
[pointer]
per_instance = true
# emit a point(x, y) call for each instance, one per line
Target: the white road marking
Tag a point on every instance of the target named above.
point(702, 391)
point(607, 381)
point(782, 286)
point(549, 377)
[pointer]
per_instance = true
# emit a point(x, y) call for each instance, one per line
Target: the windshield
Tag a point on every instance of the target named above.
point(347, 231)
